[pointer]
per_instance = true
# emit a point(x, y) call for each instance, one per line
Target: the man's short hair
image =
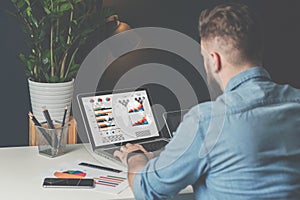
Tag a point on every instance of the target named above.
point(237, 26)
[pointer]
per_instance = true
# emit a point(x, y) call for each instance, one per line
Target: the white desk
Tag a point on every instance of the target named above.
point(23, 170)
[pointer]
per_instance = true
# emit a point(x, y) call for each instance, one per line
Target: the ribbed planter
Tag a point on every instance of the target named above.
point(55, 96)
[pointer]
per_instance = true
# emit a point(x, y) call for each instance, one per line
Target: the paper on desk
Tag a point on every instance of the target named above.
point(106, 181)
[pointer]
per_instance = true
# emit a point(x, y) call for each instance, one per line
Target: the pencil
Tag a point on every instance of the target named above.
point(62, 126)
point(51, 126)
point(35, 121)
point(48, 118)
point(64, 118)
point(42, 130)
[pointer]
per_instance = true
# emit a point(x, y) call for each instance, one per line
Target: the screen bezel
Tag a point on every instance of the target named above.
point(98, 93)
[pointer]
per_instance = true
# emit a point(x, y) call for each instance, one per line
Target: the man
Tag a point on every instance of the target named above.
point(244, 145)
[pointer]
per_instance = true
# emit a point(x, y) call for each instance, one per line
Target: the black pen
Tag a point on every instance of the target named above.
point(100, 167)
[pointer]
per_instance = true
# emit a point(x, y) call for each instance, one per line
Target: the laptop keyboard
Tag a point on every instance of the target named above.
point(154, 146)
point(149, 146)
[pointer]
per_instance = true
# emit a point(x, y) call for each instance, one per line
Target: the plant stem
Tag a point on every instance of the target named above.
point(70, 27)
point(51, 51)
point(35, 72)
point(57, 27)
point(51, 45)
point(71, 61)
point(62, 69)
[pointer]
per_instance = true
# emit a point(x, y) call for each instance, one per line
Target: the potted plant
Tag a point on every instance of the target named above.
point(56, 30)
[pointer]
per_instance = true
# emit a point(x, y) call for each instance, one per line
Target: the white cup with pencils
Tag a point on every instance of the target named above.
point(52, 135)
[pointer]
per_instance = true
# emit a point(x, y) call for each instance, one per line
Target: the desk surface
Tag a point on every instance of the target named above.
point(23, 170)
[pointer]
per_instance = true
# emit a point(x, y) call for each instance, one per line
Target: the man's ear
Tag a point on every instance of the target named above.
point(216, 61)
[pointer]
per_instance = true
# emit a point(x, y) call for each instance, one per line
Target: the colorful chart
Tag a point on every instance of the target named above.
point(70, 174)
point(102, 113)
point(143, 121)
point(101, 108)
point(139, 108)
point(105, 124)
point(104, 119)
point(110, 181)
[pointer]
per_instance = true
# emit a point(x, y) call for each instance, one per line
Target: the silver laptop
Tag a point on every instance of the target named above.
point(115, 118)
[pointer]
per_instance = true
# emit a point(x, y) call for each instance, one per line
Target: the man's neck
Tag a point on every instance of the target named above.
point(231, 72)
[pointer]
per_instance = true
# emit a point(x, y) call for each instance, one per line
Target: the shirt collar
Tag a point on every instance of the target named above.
point(244, 76)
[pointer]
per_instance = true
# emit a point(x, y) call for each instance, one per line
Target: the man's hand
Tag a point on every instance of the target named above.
point(128, 148)
point(134, 162)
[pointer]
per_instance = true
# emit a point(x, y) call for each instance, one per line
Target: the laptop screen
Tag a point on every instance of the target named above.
point(118, 117)
point(173, 119)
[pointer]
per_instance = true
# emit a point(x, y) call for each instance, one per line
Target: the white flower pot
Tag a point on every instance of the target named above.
point(55, 96)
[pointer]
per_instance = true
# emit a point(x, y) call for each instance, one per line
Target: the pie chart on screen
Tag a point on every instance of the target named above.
point(70, 174)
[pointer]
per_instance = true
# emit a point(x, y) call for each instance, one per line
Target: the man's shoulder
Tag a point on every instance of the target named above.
point(206, 110)
point(244, 99)
point(258, 94)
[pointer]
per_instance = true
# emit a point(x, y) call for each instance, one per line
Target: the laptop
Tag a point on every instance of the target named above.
point(172, 120)
point(113, 119)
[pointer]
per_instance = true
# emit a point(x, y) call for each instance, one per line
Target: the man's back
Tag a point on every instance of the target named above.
point(257, 150)
point(244, 145)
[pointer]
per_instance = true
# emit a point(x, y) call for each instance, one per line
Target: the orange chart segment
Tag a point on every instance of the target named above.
point(70, 174)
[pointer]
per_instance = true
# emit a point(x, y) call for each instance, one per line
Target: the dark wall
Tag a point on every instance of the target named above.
point(280, 19)
point(282, 41)
point(13, 83)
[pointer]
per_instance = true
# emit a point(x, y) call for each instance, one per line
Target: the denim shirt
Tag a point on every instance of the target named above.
point(244, 145)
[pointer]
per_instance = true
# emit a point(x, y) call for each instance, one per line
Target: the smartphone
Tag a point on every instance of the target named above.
point(68, 183)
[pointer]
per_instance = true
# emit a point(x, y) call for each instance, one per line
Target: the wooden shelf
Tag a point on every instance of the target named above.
point(72, 135)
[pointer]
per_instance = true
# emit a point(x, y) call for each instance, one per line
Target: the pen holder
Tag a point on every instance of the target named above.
point(52, 142)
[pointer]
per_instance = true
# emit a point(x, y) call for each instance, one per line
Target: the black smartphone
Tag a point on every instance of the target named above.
point(68, 183)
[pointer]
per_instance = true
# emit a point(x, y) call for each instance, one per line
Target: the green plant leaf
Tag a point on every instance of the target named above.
point(87, 31)
point(37, 18)
point(28, 11)
point(22, 58)
point(27, 2)
point(53, 79)
point(66, 6)
point(20, 4)
point(74, 22)
point(47, 10)
point(71, 75)
point(33, 21)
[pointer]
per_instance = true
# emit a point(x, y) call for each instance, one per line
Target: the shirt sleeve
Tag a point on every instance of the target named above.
point(178, 166)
